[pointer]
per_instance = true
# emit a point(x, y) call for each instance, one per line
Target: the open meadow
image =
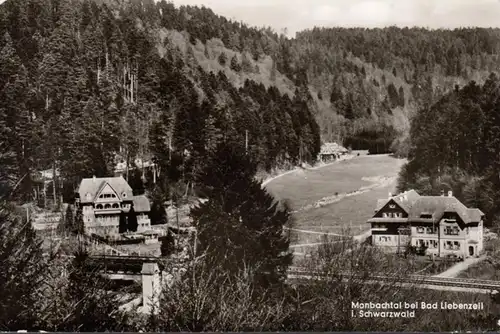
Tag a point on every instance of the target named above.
point(339, 196)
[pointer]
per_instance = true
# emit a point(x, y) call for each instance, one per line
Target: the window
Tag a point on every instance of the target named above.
point(384, 215)
point(124, 194)
point(426, 216)
point(456, 245)
point(115, 206)
point(420, 230)
point(451, 230)
point(448, 245)
point(431, 243)
point(107, 206)
point(99, 206)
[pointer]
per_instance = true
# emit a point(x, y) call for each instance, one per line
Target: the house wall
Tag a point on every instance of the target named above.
point(144, 223)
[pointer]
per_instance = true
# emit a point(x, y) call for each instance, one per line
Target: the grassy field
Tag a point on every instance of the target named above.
point(338, 196)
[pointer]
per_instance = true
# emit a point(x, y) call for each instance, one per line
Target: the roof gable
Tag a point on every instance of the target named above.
point(389, 205)
point(91, 186)
point(105, 188)
point(404, 200)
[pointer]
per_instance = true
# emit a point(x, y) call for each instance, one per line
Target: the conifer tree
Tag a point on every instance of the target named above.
point(122, 226)
point(79, 225)
point(132, 220)
point(69, 219)
point(273, 70)
point(158, 215)
point(22, 271)
point(240, 224)
point(167, 244)
point(222, 59)
point(81, 300)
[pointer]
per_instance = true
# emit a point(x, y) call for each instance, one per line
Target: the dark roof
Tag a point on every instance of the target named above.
point(92, 186)
point(141, 204)
point(438, 205)
point(416, 205)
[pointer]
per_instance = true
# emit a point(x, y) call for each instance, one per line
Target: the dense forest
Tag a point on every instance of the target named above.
point(84, 85)
point(455, 145)
point(87, 84)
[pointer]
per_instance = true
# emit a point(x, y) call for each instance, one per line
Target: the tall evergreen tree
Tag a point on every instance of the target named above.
point(79, 225)
point(22, 274)
point(69, 219)
point(132, 223)
point(240, 225)
point(235, 65)
point(222, 59)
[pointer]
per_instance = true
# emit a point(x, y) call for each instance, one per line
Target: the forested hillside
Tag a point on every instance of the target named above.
point(83, 86)
point(86, 84)
point(455, 145)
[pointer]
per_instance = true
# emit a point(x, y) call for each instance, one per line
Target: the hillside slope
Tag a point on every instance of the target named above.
point(85, 83)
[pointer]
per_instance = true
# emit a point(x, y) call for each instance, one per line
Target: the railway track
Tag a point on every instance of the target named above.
point(413, 279)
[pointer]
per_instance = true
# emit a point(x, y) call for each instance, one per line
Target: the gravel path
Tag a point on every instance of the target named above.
point(461, 266)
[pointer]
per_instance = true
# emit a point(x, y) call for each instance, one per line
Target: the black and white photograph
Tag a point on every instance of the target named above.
point(253, 166)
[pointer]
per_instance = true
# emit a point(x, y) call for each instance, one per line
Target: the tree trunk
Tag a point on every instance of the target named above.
point(126, 165)
point(187, 189)
point(54, 182)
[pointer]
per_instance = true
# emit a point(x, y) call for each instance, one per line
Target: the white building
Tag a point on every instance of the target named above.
point(105, 200)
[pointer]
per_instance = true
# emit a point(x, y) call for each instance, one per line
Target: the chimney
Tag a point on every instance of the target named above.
point(442, 192)
point(94, 178)
point(390, 195)
point(450, 193)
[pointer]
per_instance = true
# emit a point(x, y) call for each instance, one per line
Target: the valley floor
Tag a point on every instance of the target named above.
point(337, 198)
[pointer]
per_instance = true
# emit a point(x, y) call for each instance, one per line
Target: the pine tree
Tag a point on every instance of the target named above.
point(158, 215)
point(81, 301)
point(69, 220)
point(240, 225)
point(22, 274)
point(222, 59)
point(122, 226)
point(132, 223)
point(79, 225)
point(246, 65)
point(273, 71)
point(235, 65)
point(167, 244)
point(401, 95)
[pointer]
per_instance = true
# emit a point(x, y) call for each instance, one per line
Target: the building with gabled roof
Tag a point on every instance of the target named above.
point(441, 225)
point(105, 200)
point(331, 151)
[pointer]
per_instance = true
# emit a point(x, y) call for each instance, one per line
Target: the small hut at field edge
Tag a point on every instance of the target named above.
point(331, 152)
